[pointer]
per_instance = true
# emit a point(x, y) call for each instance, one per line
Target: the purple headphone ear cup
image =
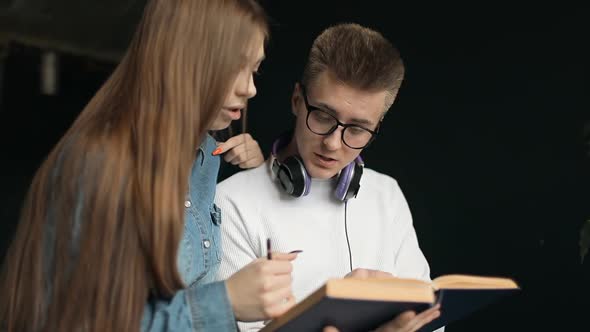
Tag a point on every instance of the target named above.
point(344, 181)
point(349, 180)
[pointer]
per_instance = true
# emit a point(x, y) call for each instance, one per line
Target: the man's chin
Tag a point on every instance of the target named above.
point(321, 173)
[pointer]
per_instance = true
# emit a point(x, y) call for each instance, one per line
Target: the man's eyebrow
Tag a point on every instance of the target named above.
point(332, 111)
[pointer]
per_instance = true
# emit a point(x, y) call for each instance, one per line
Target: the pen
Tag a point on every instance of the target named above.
point(268, 252)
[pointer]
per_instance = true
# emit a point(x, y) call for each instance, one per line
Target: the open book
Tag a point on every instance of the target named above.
point(364, 304)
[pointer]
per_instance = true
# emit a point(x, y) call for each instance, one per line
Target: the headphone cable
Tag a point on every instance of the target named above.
point(346, 232)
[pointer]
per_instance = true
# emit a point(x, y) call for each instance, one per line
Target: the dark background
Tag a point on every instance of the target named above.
point(485, 138)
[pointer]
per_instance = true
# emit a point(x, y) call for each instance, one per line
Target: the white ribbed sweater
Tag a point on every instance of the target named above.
point(380, 230)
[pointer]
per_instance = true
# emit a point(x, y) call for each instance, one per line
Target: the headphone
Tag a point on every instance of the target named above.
point(294, 180)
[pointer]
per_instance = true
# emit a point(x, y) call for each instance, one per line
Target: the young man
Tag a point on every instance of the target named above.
point(304, 197)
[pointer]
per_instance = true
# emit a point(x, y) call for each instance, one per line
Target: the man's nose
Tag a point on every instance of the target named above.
point(333, 141)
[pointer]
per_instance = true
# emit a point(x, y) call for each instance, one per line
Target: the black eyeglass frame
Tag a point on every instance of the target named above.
point(311, 108)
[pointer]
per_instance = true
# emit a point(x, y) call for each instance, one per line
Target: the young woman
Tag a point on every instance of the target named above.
point(118, 231)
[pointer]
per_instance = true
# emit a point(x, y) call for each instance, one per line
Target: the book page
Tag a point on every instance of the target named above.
point(381, 289)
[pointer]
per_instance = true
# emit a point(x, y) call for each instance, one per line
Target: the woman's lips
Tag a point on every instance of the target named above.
point(234, 113)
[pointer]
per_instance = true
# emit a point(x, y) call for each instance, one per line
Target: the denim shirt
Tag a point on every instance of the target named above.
point(199, 255)
point(203, 305)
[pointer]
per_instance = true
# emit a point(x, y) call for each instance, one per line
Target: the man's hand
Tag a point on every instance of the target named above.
point(407, 321)
point(368, 273)
point(241, 150)
point(262, 289)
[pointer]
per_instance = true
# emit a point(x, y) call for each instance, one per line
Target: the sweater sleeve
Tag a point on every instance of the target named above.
point(410, 261)
point(239, 238)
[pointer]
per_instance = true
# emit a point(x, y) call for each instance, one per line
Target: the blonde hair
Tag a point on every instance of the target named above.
point(357, 56)
point(103, 218)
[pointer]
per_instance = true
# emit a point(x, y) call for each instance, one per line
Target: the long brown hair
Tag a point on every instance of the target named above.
point(103, 218)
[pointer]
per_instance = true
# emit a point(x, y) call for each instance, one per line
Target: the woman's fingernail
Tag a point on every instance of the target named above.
point(217, 151)
point(296, 251)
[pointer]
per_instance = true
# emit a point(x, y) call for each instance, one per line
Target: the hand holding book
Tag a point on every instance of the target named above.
point(407, 321)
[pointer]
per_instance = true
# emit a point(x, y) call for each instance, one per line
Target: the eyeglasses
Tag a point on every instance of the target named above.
point(323, 123)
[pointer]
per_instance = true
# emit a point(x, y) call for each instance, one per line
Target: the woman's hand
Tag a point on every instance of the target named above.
point(262, 289)
point(241, 150)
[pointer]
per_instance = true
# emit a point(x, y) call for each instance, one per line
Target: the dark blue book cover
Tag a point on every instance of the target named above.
point(364, 305)
point(459, 303)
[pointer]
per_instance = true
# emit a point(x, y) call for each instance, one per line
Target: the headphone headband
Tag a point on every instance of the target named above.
point(295, 180)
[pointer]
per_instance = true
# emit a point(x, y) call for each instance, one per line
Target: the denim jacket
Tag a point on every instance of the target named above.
point(204, 304)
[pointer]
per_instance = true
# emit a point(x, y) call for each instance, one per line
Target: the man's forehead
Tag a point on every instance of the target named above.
point(324, 92)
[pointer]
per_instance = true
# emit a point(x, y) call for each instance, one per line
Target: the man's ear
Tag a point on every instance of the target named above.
point(295, 98)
